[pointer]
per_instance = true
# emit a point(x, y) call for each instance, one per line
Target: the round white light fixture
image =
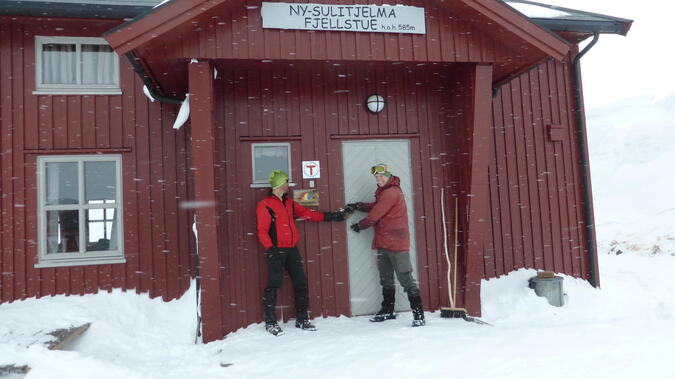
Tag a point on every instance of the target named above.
point(375, 103)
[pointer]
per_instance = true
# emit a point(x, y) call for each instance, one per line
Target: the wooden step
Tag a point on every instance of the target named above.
point(60, 339)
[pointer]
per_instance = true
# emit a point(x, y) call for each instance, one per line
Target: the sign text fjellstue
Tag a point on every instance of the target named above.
point(355, 18)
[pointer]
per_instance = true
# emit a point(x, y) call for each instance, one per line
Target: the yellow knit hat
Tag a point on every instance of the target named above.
point(277, 178)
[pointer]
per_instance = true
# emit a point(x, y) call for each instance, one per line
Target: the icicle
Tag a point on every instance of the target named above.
point(198, 332)
point(194, 230)
point(146, 91)
point(215, 73)
point(183, 113)
point(164, 1)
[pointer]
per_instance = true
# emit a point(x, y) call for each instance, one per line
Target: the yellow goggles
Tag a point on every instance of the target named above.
point(379, 169)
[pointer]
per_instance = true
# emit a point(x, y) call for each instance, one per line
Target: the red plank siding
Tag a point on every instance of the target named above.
point(536, 206)
point(33, 125)
point(6, 155)
point(207, 216)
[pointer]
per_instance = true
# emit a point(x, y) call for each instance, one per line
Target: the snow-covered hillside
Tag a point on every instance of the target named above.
point(632, 147)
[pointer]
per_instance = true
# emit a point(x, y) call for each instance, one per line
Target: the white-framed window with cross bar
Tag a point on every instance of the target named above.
point(79, 210)
point(266, 157)
point(75, 65)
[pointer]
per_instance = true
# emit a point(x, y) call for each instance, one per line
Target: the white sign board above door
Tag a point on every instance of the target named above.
point(344, 18)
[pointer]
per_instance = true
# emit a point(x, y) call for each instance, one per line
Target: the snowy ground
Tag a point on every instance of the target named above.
point(624, 330)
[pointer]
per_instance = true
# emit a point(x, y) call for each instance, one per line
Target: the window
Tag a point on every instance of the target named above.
point(80, 208)
point(79, 65)
point(267, 157)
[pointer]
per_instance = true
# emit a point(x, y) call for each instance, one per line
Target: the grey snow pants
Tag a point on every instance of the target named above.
point(388, 263)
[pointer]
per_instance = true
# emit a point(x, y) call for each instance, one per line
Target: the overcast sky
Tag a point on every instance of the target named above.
point(640, 64)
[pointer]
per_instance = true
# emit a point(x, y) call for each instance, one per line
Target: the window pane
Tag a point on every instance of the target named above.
point(100, 230)
point(268, 158)
point(98, 64)
point(58, 63)
point(61, 183)
point(63, 231)
point(96, 214)
point(100, 183)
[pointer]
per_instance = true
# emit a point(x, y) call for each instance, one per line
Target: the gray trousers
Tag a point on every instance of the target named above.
point(388, 263)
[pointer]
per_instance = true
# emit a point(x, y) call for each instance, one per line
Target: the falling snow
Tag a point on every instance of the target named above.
point(624, 330)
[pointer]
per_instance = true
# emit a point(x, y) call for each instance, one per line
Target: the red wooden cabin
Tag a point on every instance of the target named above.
point(99, 192)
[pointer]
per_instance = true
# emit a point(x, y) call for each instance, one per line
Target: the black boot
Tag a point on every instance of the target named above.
point(305, 325)
point(269, 301)
point(273, 328)
point(417, 310)
point(387, 310)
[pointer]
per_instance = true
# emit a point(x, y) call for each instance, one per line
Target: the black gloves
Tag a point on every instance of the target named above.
point(355, 227)
point(351, 207)
point(334, 216)
point(342, 214)
point(272, 252)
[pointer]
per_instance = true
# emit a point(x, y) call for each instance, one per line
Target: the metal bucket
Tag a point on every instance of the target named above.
point(550, 288)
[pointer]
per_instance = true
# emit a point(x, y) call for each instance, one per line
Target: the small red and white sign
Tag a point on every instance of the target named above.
point(311, 170)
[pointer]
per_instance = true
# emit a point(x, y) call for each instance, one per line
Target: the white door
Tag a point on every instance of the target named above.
point(358, 157)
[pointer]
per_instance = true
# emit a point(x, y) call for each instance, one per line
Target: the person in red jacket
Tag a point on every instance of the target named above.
point(275, 216)
point(388, 216)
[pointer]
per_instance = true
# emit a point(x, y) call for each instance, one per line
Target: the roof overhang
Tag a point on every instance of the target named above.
point(508, 20)
point(112, 9)
point(612, 27)
point(171, 15)
point(567, 20)
point(156, 23)
point(533, 39)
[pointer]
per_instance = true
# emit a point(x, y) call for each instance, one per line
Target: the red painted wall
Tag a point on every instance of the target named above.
point(155, 172)
point(535, 181)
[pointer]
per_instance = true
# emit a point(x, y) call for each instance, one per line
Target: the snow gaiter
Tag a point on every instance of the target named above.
point(416, 306)
point(387, 310)
point(388, 300)
point(269, 303)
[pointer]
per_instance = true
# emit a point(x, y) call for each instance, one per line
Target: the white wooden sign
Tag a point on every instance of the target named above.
point(311, 170)
point(348, 17)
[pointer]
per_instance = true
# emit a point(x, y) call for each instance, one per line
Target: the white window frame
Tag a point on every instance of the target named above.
point(77, 89)
point(264, 183)
point(83, 257)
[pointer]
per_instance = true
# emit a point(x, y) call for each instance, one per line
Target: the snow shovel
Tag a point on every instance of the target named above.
point(452, 311)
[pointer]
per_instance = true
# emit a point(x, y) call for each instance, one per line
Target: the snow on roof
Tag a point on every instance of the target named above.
point(147, 3)
point(537, 11)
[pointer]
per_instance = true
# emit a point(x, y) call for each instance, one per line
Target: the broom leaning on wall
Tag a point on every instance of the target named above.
point(452, 311)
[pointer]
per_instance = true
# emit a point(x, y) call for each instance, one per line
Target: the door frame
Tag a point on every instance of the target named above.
point(402, 302)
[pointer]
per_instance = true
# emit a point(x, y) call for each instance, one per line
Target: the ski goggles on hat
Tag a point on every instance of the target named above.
point(379, 169)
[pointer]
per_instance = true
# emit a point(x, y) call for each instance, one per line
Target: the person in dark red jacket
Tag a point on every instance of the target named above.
point(275, 215)
point(388, 216)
